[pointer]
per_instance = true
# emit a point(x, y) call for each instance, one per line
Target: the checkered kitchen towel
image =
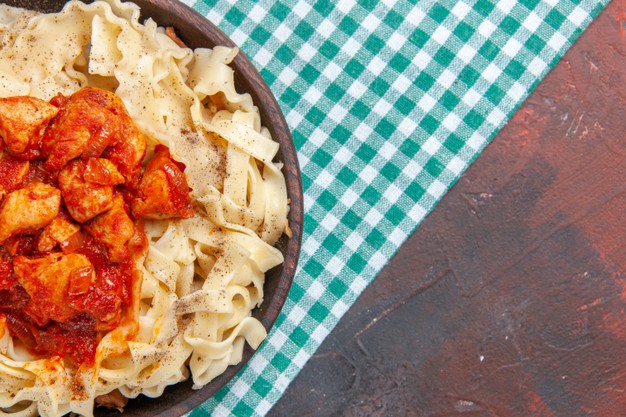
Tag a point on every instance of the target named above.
point(388, 103)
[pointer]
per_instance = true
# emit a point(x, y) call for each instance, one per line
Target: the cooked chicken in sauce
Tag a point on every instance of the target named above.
point(70, 171)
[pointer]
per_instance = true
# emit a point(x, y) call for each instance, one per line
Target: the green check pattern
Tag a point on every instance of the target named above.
point(389, 103)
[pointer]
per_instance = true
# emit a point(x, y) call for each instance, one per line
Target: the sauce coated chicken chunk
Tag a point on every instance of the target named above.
point(22, 124)
point(87, 187)
point(49, 280)
point(163, 192)
point(27, 209)
point(88, 123)
point(113, 228)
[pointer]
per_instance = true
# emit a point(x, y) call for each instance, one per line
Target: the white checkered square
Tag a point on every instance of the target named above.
point(337, 113)
point(471, 97)
point(431, 146)
point(446, 79)
point(416, 213)
point(316, 290)
point(392, 193)
point(345, 6)
point(412, 169)
point(476, 141)
point(370, 23)
point(516, 91)
point(313, 245)
point(426, 103)
point(257, 13)
point(376, 66)
point(578, 16)
point(441, 35)
point(363, 132)
point(307, 52)
point(537, 66)
point(320, 333)
point(506, 6)
point(282, 33)
point(382, 107)
point(300, 359)
point(340, 308)
point(460, 10)
point(487, 28)
point(277, 339)
point(302, 9)
point(496, 117)
point(343, 156)
point(332, 71)
point(294, 118)
point(296, 315)
point(401, 83)
point(532, 21)
point(492, 72)
point(368, 174)
point(357, 89)
point(466, 53)
point(456, 165)
point(312, 95)
point(359, 284)
point(288, 76)
point(326, 28)
point(557, 41)
point(422, 59)
point(436, 189)
point(373, 217)
point(354, 241)
point(376, 261)
point(407, 127)
point(512, 47)
point(451, 122)
point(351, 47)
point(397, 237)
point(335, 265)
point(388, 150)
point(239, 37)
point(415, 16)
point(349, 197)
point(263, 407)
point(396, 41)
point(330, 222)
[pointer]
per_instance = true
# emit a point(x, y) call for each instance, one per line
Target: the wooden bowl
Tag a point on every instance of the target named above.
point(196, 31)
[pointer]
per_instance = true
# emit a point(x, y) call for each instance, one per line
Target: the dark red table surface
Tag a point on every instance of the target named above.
point(510, 298)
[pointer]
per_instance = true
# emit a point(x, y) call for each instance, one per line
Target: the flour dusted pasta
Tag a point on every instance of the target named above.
point(200, 276)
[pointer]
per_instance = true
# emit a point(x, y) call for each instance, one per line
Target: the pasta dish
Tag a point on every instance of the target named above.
point(139, 208)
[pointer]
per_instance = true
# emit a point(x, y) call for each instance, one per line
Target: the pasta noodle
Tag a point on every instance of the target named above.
point(202, 276)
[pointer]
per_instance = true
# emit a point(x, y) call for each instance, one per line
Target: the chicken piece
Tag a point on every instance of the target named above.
point(62, 232)
point(22, 123)
point(87, 187)
point(163, 192)
point(49, 280)
point(114, 399)
point(113, 229)
point(102, 171)
point(13, 172)
point(86, 125)
point(129, 152)
point(28, 209)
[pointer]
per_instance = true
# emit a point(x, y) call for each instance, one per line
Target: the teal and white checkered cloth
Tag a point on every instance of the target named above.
point(388, 103)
